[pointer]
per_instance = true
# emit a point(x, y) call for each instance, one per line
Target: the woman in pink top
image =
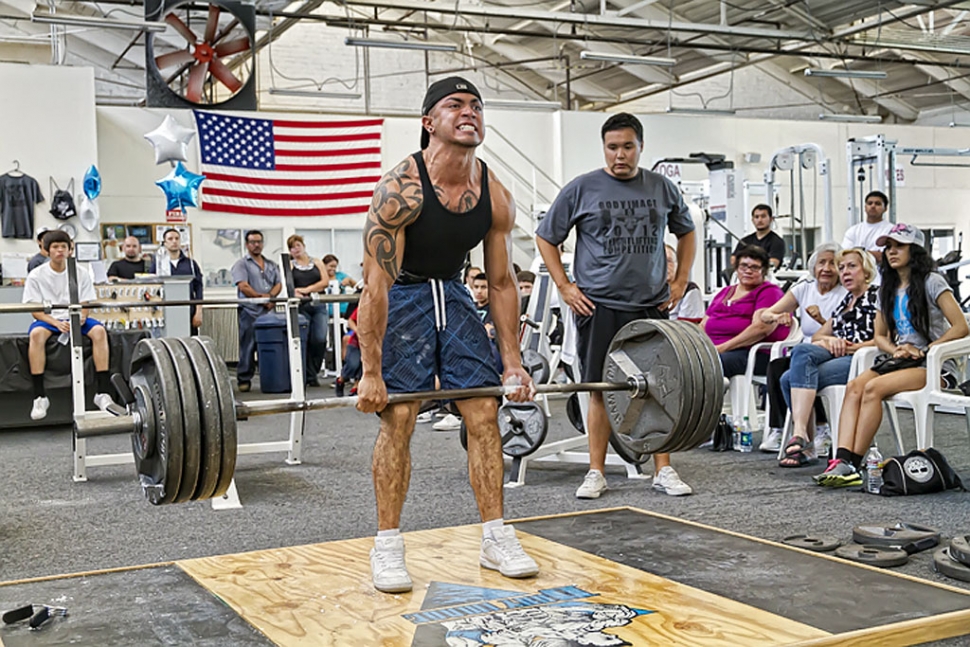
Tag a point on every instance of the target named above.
point(730, 320)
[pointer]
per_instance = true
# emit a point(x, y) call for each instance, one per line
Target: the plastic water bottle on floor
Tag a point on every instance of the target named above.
point(746, 436)
point(736, 426)
point(873, 470)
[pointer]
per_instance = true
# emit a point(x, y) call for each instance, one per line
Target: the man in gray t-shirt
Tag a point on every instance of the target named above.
point(620, 214)
point(255, 276)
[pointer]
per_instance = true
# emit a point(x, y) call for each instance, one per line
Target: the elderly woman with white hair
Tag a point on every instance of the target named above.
point(816, 300)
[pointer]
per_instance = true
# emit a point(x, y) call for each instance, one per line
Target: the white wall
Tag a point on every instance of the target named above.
point(47, 123)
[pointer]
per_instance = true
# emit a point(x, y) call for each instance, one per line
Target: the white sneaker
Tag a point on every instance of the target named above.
point(103, 401)
point(823, 440)
point(593, 485)
point(772, 441)
point(427, 416)
point(668, 482)
point(451, 422)
point(39, 411)
point(502, 552)
point(388, 570)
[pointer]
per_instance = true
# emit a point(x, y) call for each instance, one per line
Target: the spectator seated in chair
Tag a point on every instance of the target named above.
point(49, 283)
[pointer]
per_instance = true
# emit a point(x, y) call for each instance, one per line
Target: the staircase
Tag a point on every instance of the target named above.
point(532, 189)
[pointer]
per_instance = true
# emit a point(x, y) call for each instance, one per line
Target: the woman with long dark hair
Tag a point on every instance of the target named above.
point(917, 311)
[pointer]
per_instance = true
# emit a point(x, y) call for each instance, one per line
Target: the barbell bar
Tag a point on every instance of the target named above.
point(662, 390)
point(316, 297)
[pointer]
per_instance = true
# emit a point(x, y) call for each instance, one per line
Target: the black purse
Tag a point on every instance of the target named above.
point(886, 363)
point(723, 439)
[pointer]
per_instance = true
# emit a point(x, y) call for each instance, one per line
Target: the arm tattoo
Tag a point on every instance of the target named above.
point(396, 204)
point(465, 202)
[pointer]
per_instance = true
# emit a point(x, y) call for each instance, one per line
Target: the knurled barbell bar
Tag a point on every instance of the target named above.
point(663, 392)
point(316, 297)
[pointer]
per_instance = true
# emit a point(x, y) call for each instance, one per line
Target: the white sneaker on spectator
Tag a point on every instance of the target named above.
point(103, 401)
point(823, 439)
point(388, 570)
point(594, 484)
point(39, 410)
point(424, 417)
point(772, 441)
point(502, 552)
point(668, 482)
point(451, 422)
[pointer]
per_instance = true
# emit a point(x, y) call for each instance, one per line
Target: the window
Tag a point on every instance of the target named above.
point(223, 247)
point(346, 244)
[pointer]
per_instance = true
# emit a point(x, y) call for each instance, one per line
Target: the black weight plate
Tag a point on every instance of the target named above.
point(227, 411)
point(191, 419)
point(960, 549)
point(944, 563)
point(816, 543)
point(713, 401)
point(160, 471)
point(690, 408)
point(536, 366)
point(689, 434)
point(881, 556)
point(463, 435)
point(144, 441)
point(575, 413)
point(210, 416)
point(897, 534)
point(523, 427)
point(643, 426)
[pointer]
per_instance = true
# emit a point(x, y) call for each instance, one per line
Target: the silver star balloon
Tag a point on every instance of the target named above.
point(170, 140)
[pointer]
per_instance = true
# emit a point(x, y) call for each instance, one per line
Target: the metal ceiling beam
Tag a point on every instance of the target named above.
point(589, 19)
point(959, 85)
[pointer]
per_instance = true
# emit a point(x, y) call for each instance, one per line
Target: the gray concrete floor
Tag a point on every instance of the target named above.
point(51, 525)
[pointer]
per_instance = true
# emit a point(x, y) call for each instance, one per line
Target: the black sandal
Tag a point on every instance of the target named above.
point(799, 455)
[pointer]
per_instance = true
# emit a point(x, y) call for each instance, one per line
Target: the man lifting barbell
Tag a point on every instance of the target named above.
point(417, 321)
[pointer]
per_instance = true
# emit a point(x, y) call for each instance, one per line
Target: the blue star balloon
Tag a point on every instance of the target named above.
point(92, 183)
point(181, 188)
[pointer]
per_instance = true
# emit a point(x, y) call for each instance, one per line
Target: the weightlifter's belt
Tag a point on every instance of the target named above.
point(409, 278)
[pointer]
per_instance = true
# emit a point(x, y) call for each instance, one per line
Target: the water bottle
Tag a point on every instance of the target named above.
point(746, 445)
point(873, 470)
point(736, 426)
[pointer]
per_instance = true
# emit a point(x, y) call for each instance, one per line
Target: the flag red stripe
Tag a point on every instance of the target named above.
point(361, 123)
point(291, 197)
point(267, 181)
point(327, 167)
point(259, 211)
point(322, 139)
point(296, 152)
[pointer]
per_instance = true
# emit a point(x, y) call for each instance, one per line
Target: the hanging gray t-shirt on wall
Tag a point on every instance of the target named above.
point(620, 260)
point(18, 195)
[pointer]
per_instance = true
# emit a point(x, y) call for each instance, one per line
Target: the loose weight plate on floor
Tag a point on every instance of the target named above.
point(815, 543)
point(158, 460)
point(881, 556)
point(960, 549)
point(897, 534)
point(945, 564)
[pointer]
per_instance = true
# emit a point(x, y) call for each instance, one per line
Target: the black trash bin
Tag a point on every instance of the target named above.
point(273, 354)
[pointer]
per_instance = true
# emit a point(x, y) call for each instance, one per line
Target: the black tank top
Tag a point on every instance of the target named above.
point(305, 278)
point(438, 240)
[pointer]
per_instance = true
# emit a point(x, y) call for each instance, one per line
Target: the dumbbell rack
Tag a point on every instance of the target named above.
point(536, 337)
point(293, 445)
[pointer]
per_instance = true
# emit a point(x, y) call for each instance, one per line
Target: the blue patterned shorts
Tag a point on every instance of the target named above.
point(434, 329)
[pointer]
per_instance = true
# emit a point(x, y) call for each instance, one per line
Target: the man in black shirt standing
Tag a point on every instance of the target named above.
point(762, 217)
point(132, 263)
point(40, 257)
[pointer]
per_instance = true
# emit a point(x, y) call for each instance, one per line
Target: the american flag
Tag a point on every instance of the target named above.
point(287, 167)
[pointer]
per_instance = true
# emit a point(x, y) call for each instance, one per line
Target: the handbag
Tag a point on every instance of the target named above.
point(886, 363)
point(723, 438)
point(918, 472)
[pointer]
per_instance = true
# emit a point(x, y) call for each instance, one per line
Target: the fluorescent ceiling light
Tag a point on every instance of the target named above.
point(700, 111)
point(117, 101)
point(401, 44)
point(105, 23)
point(851, 119)
point(587, 55)
point(523, 104)
point(314, 94)
point(846, 74)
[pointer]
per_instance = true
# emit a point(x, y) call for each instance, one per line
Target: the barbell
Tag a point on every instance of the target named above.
point(662, 389)
point(316, 297)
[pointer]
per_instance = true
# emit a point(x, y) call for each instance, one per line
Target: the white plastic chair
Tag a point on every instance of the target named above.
point(741, 388)
point(925, 400)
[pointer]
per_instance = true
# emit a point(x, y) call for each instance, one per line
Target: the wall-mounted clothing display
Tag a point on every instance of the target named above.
point(18, 195)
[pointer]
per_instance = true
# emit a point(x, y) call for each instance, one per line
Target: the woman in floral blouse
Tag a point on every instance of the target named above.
point(827, 359)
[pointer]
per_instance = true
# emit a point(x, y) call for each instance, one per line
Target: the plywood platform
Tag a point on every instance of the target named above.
point(613, 577)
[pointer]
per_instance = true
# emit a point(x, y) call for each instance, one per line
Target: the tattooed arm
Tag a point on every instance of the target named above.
point(396, 204)
point(503, 292)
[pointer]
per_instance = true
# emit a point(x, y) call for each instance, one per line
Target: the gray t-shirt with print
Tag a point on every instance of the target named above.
point(620, 260)
point(905, 332)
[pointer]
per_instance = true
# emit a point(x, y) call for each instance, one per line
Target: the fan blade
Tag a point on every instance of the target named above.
point(225, 75)
point(181, 57)
point(181, 28)
point(233, 46)
point(196, 80)
point(212, 23)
